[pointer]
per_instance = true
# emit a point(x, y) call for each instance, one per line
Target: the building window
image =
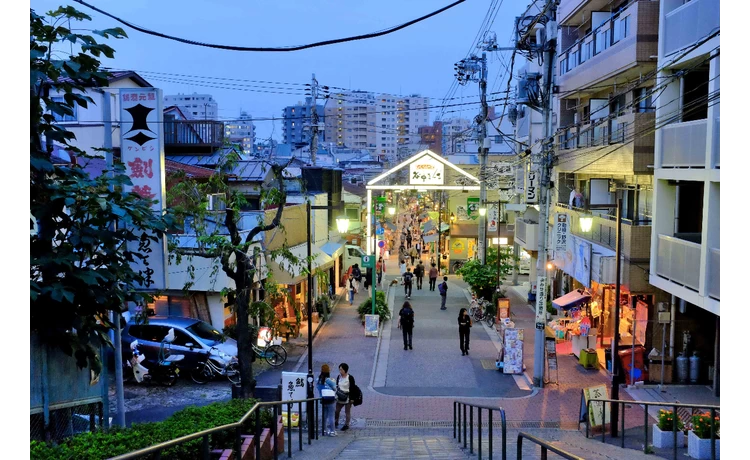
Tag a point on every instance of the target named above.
point(642, 100)
point(58, 117)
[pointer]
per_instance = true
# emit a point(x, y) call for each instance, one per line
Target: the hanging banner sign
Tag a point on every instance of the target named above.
point(541, 301)
point(532, 186)
point(493, 217)
point(519, 182)
point(142, 152)
point(561, 233)
point(426, 171)
point(472, 207)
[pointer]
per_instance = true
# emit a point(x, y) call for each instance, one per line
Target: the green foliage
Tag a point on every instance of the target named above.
point(381, 307)
point(702, 425)
point(81, 263)
point(550, 309)
point(482, 278)
point(666, 421)
point(118, 441)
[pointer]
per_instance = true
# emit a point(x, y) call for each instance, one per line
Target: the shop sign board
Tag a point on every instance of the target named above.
point(519, 185)
point(561, 232)
point(426, 171)
point(541, 301)
point(493, 215)
point(532, 185)
point(371, 325)
point(595, 411)
point(472, 207)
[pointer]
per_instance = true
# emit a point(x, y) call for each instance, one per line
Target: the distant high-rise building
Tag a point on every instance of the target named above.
point(456, 131)
point(297, 123)
point(242, 132)
point(432, 137)
point(384, 124)
point(199, 106)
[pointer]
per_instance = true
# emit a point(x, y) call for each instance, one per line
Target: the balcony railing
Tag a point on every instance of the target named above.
point(526, 234)
point(679, 261)
point(683, 145)
point(593, 134)
point(595, 42)
point(714, 277)
point(194, 133)
point(689, 23)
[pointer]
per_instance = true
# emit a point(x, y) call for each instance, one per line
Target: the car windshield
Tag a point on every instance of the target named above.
point(206, 332)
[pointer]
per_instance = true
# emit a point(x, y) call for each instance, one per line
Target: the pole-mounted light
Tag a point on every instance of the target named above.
point(586, 221)
point(342, 224)
point(482, 211)
point(391, 210)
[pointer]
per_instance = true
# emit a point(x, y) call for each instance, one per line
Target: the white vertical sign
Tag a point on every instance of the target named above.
point(493, 215)
point(142, 153)
point(519, 181)
point(541, 301)
point(561, 234)
point(532, 185)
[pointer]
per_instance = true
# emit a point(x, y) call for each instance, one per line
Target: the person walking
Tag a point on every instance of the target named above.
point(413, 254)
point(327, 389)
point(379, 269)
point(408, 240)
point(433, 276)
point(464, 331)
point(408, 276)
point(406, 323)
point(344, 384)
point(352, 289)
point(419, 273)
point(402, 268)
point(443, 288)
point(357, 277)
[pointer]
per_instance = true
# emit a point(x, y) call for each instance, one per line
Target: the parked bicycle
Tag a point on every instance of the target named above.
point(478, 311)
point(218, 363)
point(275, 355)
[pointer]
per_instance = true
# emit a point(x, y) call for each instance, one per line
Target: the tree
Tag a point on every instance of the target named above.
point(83, 253)
point(228, 246)
point(483, 278)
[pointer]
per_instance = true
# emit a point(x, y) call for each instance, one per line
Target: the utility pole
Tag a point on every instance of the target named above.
point(482, 243)
point(544, 161)
point(314, 120)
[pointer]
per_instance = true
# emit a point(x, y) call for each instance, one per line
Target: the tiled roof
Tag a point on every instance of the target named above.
point(196, 172)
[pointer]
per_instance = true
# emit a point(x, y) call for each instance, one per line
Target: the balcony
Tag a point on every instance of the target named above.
point(717, 143)
point(679, 261)
point(620, 47)
point(191, 134)
point(688, 23)
point(683, 145)
point(569, 12)
point(636, 234)
point(526, 235)
point(714, 277)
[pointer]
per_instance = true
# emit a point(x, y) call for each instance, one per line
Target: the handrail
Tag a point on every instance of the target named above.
point(621, 419)
point(177, 441)
point(545, 447)
point(457, 425)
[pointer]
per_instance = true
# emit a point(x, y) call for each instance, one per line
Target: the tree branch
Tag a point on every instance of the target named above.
point(278, 174)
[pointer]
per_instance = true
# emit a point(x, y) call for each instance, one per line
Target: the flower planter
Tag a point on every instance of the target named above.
point(700, 448)
point(665, 439)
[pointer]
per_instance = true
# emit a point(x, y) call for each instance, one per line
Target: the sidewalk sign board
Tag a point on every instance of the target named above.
point(371, 325)
point(595, 412)
point(293, 387)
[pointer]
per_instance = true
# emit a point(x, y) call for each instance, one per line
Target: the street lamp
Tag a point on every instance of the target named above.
point(586, 222)
point(453, 218)
point(391, 210)
point(482, 211)
point(342, 224)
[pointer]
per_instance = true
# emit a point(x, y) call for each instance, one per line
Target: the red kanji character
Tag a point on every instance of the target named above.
point(142, 96)
point(126, 97)
point(141, 168)
point(144, 191)
point(151, 96)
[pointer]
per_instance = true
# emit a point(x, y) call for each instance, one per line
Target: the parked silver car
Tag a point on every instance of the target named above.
point(194, 338)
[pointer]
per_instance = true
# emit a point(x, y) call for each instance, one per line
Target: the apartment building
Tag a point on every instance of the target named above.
point(384, 124)
point(297, 123)
point(432, 137)
point(199, 106)
point(685, 244)
point(456, 131)
point(241, 132)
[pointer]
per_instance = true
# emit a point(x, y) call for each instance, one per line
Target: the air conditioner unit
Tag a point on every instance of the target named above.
point(217, 202)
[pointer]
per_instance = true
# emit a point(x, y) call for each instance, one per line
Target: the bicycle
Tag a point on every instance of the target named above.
point(213, 366)
point(275, 355)
point(479, 312)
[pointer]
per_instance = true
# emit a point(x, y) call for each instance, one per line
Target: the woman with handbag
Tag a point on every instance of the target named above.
point(344, 384)
point(464, 331)
point(327, 390)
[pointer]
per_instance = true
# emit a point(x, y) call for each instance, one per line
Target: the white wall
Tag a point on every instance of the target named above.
point(217, 310)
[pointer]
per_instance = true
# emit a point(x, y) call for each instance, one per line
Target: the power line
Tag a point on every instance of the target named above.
point(272, 49)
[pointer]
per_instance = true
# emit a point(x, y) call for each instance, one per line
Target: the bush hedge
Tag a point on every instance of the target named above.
point(381, 307)
point(117, 441)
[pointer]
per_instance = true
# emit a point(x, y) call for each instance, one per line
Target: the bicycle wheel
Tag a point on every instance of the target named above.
point(275, 355)
point(233, 373)
point(201, 374)
point(490, 320)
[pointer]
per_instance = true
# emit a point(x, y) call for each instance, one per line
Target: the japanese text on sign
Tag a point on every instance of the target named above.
point(426, 171)
point(541, 300)
point(561, 233)
point(532, 187)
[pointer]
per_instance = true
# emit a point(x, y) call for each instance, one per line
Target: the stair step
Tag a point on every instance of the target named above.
point(404, 447)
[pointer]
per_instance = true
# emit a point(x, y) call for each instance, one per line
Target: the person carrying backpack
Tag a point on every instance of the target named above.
point(443, 288)
point(433, 276)
point(408, 275)
point(419, 273)
point(347, 393)
point(352, 289)
point(327, 389)
point(357, 277)
point(406, 323)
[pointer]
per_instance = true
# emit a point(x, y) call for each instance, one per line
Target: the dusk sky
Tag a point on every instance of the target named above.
point(418, 59)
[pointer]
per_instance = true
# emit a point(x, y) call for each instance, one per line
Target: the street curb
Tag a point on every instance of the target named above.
point(391, 301)
point(317, 330)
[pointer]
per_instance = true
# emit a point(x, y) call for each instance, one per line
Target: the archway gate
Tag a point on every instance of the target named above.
point(427, 171)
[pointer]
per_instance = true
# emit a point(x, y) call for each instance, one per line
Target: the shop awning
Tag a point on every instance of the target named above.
point(284, 272)
point(333, 248)
point(444, 227)
point(465, 230)
point(390, 226)
point(431, 238)
point(428, 226)
point(571, 299)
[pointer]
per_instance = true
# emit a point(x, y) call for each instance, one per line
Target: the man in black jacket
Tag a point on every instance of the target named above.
point(408, 276)
point(406, 323)
point(419, 273)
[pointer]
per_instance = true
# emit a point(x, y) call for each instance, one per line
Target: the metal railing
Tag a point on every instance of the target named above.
point(460, 422)
point(546, 446)
point(674, 406)
point(238, 428)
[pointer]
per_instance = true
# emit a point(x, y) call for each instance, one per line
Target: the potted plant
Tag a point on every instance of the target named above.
point(662, 431)
point(551, 311)
point(699, 438)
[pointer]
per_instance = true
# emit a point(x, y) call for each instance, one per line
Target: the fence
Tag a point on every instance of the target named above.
point(460, 422)
point(67, 421)
point(545, 446)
